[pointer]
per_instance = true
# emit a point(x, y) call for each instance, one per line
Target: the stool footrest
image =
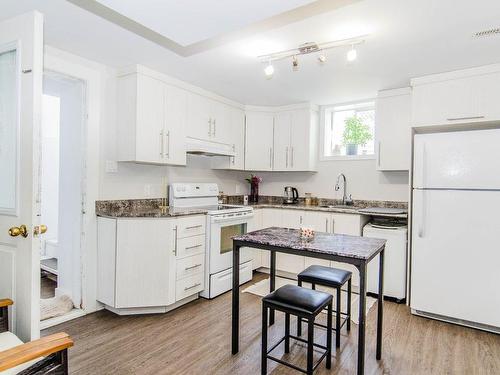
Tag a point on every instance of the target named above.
point(344, 321)
point(323, 355)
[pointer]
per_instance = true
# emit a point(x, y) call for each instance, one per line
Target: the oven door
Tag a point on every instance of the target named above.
point(221, 244)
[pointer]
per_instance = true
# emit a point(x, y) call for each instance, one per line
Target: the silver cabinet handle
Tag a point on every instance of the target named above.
point(194, 226)
point(209, 127)
point(193, 247)
point(291, 161)
point(464, 118)
point(333, 225)
point(379, 151)
point(286, 157)
point(190, 268)
point(167, 154)
point(270, 157)
point(161, 144)
point(300, 219)
point(326, 226)
point(175, 240)
point(215, 127)
point(192, 286)
point(421, 230)
point(234, 150)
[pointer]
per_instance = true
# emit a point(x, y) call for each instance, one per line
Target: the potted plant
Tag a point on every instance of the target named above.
point(254, 182)
point(355, 133)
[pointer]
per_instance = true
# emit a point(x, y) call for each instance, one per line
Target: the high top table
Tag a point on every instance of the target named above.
point(358, 251)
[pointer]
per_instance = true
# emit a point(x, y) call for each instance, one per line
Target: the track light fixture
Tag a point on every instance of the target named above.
point(312, 47)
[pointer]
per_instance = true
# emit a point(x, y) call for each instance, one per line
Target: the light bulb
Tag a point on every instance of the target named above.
point(269, 71)
point(295, 63)
point(352, 54)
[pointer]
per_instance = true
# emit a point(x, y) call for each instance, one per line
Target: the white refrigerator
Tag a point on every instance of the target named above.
point(455, 256)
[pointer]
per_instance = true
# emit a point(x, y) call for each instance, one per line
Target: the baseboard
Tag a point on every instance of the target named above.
point(150, 310)
point(73, 314)
point(461, 322)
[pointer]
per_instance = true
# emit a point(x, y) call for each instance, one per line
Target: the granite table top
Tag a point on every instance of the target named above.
point(339, 245)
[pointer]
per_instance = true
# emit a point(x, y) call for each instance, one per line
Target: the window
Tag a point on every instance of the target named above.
point(349, 130)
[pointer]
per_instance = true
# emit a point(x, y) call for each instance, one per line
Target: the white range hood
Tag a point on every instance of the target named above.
point(208, 148)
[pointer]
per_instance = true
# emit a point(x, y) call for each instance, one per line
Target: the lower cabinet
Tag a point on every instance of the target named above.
point(146, 265)
point(338, 223)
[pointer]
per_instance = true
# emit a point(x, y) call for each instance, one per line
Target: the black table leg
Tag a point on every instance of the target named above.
point(362, 318)
point(236, 300)
point(380, 312)
point(272, 283)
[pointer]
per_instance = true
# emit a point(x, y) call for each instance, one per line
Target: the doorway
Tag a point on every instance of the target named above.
point(62, 171)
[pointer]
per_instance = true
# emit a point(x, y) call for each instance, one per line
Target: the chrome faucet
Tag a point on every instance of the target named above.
point(337, 187)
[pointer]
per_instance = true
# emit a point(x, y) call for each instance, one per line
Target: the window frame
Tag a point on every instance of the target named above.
point(324, 109)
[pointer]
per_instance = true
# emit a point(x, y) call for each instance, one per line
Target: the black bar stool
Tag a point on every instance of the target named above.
point(303, 303)
point(333, 278)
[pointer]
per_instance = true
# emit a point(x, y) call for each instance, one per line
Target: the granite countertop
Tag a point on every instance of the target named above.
point(345, 210)
point(141, 208)
point(325, 243)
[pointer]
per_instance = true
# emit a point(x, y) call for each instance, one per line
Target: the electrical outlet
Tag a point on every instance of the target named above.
point(111, 166)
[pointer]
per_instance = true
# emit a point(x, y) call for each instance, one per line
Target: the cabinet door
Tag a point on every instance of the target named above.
point(174, 136)
point(487, 88)
point(285, 262)
point(300, 141)
point(393, 139)
point(236, 138)
point(259, 141)
point(282, 124)
point(270, 218)
point(352, 225)
point(199, 117)
point(145, 263)
point(320, 222)
point(221, 118)
point(255, 223)
point(150, 119)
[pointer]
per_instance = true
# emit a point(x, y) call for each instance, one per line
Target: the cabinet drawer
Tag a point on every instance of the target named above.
point(190, 246)
point(190, 266)
point(189, 286)
point(191, 226)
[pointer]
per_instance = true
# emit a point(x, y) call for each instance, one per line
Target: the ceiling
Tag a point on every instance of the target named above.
point(408, 38)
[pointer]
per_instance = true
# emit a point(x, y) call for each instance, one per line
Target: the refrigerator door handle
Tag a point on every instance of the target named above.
point(421, 229)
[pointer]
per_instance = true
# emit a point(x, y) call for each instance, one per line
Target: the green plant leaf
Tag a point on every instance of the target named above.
point(355, 132)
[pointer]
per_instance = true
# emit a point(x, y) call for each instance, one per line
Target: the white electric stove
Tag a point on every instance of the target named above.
point(223, 222)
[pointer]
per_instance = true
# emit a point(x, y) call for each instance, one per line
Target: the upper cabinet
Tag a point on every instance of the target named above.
point(152, 120)
point(234, 136)
point(392, 129)
point(259, 141)
point(465, 96)
point(283, 141)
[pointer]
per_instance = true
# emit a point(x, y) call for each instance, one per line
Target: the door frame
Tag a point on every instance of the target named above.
point(67, 64)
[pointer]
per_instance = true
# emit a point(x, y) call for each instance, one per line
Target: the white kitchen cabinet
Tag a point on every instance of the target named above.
point(285, 262)
point(255, 223)
point(281, 141)
point(295, 140)
point(459, 97)
point(304, 140)
point(320, 222)
point(147, 265)
point(259, 141)
point(208, 119)
point(136, 263)
point(236, 138)
point(152, 118)
point(392, 129)
point(350, 224)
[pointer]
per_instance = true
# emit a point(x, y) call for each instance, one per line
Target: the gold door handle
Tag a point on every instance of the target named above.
point(20, 230)
point(39, 229)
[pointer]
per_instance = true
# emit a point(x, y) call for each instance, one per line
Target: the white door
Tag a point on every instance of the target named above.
point(300, 133)
point(21, 74)
point(199, 121)
point(174, 137)
point(282, 123)
point(259, 141)
point(455, 254)
point(457, 160)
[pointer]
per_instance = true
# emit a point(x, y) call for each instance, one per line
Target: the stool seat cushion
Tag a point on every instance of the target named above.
point(326, 276)
point(298, 300)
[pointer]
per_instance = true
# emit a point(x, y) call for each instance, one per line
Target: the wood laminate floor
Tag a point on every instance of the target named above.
point(196, 339)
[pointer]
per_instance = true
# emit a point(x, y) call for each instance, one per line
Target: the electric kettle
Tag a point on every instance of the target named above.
point(291, 195)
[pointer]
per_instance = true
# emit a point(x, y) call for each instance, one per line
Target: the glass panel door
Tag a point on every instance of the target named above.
point(8, 131)
point(226, 233)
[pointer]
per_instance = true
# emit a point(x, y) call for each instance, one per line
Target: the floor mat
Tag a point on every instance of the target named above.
point(57, 306)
